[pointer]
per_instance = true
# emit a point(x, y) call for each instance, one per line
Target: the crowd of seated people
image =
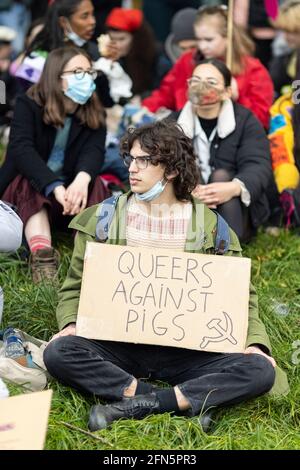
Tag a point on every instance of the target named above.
point(75, 78)
point(59, 153)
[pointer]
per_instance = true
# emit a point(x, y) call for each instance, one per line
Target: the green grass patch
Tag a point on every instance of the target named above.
point(265, 423)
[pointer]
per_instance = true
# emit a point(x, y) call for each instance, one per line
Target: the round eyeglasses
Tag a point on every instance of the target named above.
point(195, 80)
point(80, 74)
point(141, 162)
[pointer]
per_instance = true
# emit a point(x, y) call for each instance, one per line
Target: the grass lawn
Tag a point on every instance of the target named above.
point(266, 423)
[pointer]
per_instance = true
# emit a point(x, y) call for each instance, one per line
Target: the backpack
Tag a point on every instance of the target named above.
point(108, 208)
point(33, 378)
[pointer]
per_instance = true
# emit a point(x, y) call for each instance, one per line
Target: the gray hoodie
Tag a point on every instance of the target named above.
point(11, 228)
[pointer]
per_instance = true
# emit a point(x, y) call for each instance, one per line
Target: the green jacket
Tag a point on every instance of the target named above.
point(201, 240)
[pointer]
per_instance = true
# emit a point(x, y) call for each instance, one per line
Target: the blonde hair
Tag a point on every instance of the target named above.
point(242, 44)
point(288, 18)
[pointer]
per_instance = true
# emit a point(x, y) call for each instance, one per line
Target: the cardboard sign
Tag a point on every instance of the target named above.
point(23, 421)
point(185, 300)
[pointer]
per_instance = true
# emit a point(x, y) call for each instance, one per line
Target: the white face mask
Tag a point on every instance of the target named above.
point(77, 40)
point(153, 192)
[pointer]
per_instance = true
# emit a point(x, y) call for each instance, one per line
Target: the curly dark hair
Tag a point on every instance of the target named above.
point(166, 142)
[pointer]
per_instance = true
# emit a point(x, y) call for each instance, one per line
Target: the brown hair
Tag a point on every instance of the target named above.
point(139, 63)
point(166, 142)
point(242, 45)
point(48, 93)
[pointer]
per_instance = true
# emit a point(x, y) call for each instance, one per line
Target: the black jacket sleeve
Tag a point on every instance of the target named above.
point(91, 156)
point(102, 83)
point(278, 71)
point(22, 147)
point(103, 92)
point(253, 158)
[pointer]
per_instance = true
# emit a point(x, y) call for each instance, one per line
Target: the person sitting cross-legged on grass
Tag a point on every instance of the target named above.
point(232, 149)
point(163, 171)
point(55, 154)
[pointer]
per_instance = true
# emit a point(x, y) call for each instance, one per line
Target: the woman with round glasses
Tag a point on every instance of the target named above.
point(232, 149)
point(55, 153)
point(68, 22)
point(251, 86)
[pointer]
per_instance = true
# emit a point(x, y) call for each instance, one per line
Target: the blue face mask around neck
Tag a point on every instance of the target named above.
point(77, 40)
point(152, 193)
point(80, 91)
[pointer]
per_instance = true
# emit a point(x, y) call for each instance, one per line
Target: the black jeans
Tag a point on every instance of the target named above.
point(106, 368)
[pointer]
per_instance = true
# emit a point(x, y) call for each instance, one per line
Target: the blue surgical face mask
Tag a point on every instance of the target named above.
point(153, 192)
point(79, 91)
point(77, 40)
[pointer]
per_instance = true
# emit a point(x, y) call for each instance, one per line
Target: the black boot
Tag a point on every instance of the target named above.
point(206, 418)
point(207, 421)
point(136, 407)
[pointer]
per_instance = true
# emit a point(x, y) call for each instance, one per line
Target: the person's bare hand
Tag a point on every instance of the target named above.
point(112, 51)
point(69, 330)
point(256, 350)
point(59, 194)
point(214, 194)
point(76, 194)
point(108, 48)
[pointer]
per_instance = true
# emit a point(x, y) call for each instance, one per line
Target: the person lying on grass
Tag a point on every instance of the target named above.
point(11, 229)
point(163, 171)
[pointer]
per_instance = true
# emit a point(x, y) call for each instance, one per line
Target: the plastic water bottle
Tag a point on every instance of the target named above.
point(13, 345)
point(280, 308)
point(1, 303)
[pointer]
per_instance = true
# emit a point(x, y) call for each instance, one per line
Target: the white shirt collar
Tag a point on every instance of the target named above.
point(191, 126)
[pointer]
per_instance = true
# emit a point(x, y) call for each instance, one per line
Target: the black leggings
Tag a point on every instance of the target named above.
point(234, 212)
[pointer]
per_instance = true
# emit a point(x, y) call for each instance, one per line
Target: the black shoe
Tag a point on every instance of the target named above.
point(136, 407)
point(205, 419)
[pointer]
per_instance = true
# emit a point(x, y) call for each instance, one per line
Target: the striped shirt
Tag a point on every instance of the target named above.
point(164, 227)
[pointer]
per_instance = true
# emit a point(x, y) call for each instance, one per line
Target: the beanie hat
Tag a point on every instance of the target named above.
point(125, 19)
point(182, 28)
point(183, 24)
point(7, 34)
